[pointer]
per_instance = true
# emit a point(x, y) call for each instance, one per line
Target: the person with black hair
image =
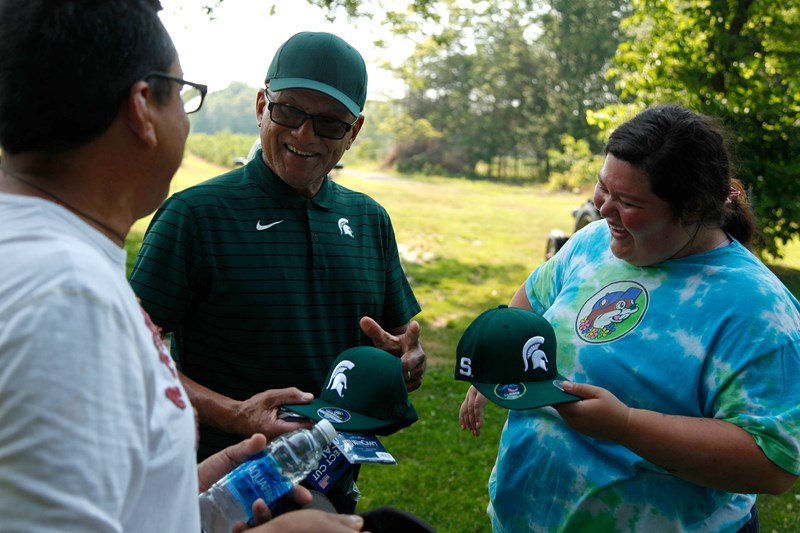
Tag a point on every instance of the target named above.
point(682, 345)
point(96, 430)
point(266, 273)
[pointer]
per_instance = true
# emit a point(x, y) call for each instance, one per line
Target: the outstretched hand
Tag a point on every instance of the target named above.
point(403, 342)
point(259, 413)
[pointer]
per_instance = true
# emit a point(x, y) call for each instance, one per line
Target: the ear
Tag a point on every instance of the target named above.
point(261, 106)
point(139, 118)
point(354, 131)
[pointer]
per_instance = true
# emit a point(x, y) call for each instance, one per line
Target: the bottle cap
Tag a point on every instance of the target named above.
point(327, 430)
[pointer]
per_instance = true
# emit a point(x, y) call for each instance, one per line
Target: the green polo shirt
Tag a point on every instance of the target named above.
point(263, 287)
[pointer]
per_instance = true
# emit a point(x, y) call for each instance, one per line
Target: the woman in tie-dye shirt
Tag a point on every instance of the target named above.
point(684, 346)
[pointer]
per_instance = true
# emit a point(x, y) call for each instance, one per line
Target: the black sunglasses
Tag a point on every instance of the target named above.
point(291, 117)
point(192, 94)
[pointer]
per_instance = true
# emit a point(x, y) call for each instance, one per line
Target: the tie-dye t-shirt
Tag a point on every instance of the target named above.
point(711, 335)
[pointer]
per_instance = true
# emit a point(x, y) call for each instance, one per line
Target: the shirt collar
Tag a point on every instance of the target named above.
point(282, 193)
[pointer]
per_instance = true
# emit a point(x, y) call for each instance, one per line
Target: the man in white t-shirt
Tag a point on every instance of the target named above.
point(96, 431)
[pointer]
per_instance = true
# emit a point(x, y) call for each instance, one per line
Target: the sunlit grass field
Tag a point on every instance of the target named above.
point(466, 246)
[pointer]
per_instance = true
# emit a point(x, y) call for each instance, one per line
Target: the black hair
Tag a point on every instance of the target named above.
point(686, 158)
point(68, 65)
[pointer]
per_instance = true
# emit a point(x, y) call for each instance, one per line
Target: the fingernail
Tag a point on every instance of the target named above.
point(563, 385)
point(356, 520)
point(308, 396)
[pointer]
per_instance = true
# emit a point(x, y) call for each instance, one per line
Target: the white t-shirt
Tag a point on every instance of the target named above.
point(96, 432)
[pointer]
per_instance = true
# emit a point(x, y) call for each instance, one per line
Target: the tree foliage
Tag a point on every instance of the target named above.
point(575, 165)
point(506, 80)
point(351, 8)
point(232, 109)
point(733, 59)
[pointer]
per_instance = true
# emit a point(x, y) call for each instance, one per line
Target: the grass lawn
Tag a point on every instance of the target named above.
point(466, 246)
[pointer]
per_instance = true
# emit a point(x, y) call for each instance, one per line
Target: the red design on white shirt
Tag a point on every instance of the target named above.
point(173, 393)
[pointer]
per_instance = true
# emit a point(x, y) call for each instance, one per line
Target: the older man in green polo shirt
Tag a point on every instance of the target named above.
point(266, 273)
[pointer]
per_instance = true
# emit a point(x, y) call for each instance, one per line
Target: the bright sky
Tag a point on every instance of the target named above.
point(238, 44)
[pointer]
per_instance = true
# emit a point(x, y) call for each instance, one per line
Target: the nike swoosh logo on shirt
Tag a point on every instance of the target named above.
point(261, 227)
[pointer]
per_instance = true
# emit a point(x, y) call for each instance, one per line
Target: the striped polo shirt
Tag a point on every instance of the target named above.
point(262, 287)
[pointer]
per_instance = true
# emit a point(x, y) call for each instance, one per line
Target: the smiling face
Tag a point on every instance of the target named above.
point(643, 229)
point(299, 156)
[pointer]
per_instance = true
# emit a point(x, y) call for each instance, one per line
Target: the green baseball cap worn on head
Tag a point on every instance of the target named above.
point(509, 355)
point(321, 62)
point(364, 391)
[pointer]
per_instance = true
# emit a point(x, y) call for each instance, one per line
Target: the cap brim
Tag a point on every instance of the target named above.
point(280, 84)
point(347, 420)
point(528, 395)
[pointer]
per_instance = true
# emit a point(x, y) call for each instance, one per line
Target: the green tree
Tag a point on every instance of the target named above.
point(583, 37)
point(232, 109)
point(384, 122)
point(515, 85)
point(439, 78)
point(733, 59)
point(575, 166)
point(504, 81)
point(404, 140)
point(481, 83)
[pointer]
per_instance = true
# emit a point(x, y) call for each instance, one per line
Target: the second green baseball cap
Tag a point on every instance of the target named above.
point(364, 391)
point(321, 62)
point(509, 355)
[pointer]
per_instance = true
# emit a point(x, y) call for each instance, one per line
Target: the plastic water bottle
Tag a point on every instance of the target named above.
point(268, 475)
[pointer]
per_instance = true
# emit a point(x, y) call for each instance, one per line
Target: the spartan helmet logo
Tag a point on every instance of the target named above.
point(344, 228)
point(531, 351)
point(338, 381)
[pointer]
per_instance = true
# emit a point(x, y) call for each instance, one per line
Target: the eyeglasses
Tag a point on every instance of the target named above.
point(291, 117)
point(192, 94)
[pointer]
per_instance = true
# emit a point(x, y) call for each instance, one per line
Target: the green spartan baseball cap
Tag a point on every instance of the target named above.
point(509, 355)
point(364, 391)
point(321, 62)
